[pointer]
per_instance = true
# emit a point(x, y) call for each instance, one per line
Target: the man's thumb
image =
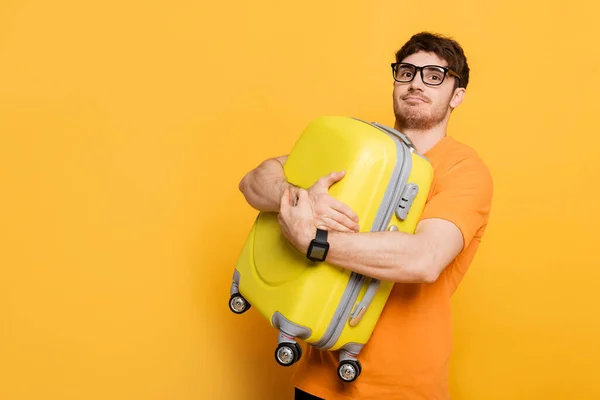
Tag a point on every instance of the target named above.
point(333, 178)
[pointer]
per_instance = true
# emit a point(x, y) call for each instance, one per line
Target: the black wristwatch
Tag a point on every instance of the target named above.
point(318, 247)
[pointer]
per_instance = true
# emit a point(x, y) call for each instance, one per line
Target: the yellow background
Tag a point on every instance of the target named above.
point(125, 127)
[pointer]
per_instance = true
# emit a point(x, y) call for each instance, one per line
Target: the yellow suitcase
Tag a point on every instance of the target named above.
point(386, 184)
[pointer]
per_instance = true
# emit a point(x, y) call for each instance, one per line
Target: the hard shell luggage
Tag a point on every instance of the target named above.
point(329, 307)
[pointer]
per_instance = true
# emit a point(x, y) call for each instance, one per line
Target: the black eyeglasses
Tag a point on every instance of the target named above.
point(432, 75)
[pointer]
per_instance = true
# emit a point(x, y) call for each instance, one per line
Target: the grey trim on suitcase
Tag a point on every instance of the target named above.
point(286, 326)
point(394, 132)
point(390, 202)
point(352, 348)
point(236, 283)
point(344, 307)
point(361, 308)
point(393, 194)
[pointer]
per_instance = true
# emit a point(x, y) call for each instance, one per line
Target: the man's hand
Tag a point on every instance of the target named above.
point(296, 219)
point(264, 185)
point(329, 213)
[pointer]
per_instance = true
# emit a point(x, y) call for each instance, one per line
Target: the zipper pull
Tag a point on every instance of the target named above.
point(361, 308)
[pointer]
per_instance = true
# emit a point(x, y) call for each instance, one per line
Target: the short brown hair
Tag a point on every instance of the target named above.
point(444, 47)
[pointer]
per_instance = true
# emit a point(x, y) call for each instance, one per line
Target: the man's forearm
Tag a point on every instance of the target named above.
point(388, 256)
point(263, 186)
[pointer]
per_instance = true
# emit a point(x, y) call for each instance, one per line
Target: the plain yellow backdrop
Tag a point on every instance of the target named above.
point(125, 127)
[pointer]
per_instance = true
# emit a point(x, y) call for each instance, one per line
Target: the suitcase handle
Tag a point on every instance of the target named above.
point(361, 308)
point(402, 136)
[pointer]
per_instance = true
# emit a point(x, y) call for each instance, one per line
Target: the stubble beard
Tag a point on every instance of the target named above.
point(416, 118)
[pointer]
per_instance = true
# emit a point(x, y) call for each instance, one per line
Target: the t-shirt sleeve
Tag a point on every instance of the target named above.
point(463, 196)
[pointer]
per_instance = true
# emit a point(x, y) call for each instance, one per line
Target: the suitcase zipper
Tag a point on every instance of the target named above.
point(337, 324)
point(350, 295)
point(400, 186)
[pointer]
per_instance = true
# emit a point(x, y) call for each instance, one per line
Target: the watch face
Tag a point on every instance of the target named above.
point(317, 252)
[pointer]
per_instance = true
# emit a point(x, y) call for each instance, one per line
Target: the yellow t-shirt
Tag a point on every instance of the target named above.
point(408, 354)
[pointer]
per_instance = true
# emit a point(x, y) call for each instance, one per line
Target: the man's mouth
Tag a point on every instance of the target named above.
point(415, 98)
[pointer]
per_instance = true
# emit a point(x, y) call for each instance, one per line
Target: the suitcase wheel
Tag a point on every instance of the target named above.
point(287, 354)
point(349, 370)
point(238, 304)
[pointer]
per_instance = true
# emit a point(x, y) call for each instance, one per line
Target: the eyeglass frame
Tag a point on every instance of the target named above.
point(447, 71)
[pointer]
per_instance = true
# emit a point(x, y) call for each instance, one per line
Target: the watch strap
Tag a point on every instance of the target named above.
point(321, 236)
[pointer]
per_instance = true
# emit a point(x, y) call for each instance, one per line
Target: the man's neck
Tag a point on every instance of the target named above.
point(424, 140)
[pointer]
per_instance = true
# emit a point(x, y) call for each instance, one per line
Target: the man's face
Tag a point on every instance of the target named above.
point(419, 106)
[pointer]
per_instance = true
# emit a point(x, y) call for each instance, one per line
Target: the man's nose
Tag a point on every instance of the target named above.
point(417, 82)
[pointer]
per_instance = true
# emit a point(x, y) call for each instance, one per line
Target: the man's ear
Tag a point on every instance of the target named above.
point(457, 97)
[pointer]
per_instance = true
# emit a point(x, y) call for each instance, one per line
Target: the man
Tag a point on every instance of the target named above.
point(408, 354)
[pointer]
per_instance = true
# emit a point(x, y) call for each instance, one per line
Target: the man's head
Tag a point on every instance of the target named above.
point(424, 98)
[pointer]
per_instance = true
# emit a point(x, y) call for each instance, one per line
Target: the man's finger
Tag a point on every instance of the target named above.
point(304, 203)
point(333, 225)
point(331, 178)
point(302, 196)
point(343, 220)
point(343, 208)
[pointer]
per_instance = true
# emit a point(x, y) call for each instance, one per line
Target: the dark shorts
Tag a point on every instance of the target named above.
point(301, 395)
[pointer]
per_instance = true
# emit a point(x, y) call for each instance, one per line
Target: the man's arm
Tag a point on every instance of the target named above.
point(458, 208)
point(398, 256)
point(263, 186)
point(389, 255)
